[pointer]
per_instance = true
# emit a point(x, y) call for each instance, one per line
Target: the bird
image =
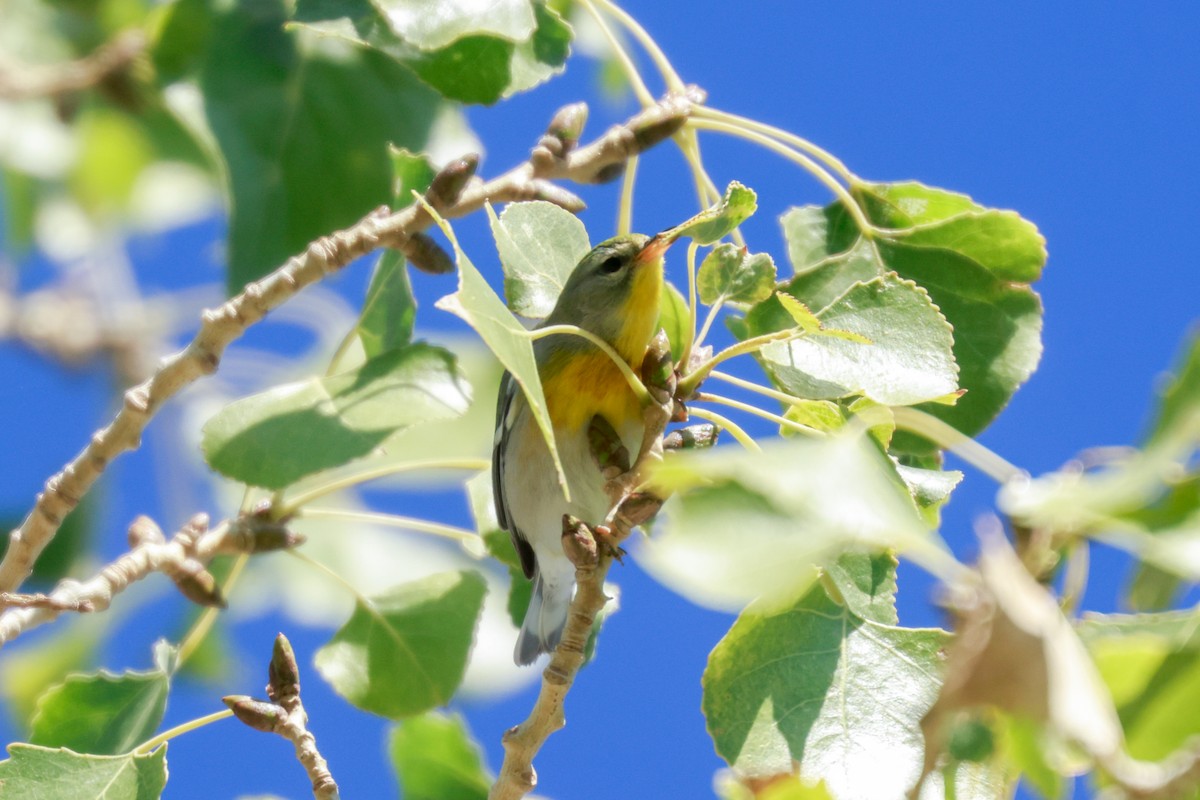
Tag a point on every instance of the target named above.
point(614, 293)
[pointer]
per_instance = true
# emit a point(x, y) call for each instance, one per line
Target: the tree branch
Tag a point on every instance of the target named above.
point(554, 158)
point(285, 716)
point(184, 559)
point(20, 82)
point(592, 550)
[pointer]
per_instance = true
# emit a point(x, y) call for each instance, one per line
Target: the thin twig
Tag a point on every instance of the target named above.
point(184, 559)
point(284, 714)
point(21, 82)
point(592, 550)
point(555, 157)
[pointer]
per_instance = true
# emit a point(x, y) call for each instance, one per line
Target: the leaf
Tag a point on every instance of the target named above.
point(975, 263)
point(673, 318)
point(478, 305)
point(274, 438)
point(40, 773)
point(930, 489)
point(1180, 396)
point(544, 54)
point(1151, 664)
point(540, 245)
point(405, 651)
point(435, 758)
point(386, 321)
point(104, 714)
point(813, 683)
point(907, 357)
point(412, 21)
point(720, 220)
point(731, 274)
point(499, 545)
point(274, 100)
point(798, 503)
point(867, 584)
point(26, 673)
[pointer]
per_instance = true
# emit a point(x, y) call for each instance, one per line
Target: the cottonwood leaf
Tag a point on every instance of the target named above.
point(976, 264)
point(674, 319)
point(540, 245)
point(435, 758)
point(730, 274)
point(104, 714)
point(813, 684)
point(477, 304)
point(286, 186)
point(797, 503)
point(710, 225)
point(412, 21)
point(405, 651)
point(274, 438)
point(41, 773)
point(900, 351)
point(386, 320)
point(867, 584)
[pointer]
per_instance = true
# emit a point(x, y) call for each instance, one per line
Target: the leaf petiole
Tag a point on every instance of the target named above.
point(726, 424)
point(394, 521)
point(297, 502)
point(635, 383)
point(706, 397)
point(150, 744)
point(949, 438)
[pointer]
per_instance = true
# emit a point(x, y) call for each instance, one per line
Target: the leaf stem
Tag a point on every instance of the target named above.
point(742, 438)
point(670, 76)
point(706, 397)
point(635, 383)
point(394, 521)
point(295, 503)
point(208, 617)
point(787, 137)
point(686, 353)
point(631, 72)
point(625, 209)
point(949, 438)
point(689, 382)
point(865, 227)
point(150, 744)
point(708, 321)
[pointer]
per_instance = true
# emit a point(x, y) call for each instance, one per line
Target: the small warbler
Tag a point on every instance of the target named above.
point(613, 293)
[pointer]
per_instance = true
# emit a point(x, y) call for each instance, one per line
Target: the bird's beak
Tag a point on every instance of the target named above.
point(655, 248)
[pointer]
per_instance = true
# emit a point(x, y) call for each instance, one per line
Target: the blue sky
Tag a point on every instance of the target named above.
point(1083, 120)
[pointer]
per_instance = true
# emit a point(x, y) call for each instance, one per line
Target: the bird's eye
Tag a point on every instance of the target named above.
point(611, 264)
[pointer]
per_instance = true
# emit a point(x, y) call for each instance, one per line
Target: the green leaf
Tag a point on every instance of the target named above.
point(907, 357)
point(274, 438)
point(867, 584)
point(405, 651)
point(520, 589)
point(540, 245)
point(104, 714)
point(27, 672)
point(40, 773)
point(478, 305)
point(275, 100)
point(386, 321)
point(729, 273)
point(412, 21)
point(544, 55)
point(673, 318)
point(1180, 397)
point(798, 503)
point(435, 758)
point(1151, 664)
point(720, 220)
point(411, 172)
point(814, 684)
point(974, 262)
point(930, 489)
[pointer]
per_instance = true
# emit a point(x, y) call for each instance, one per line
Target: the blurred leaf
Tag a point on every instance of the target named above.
point(179, 37)
point(478, 305)
point(499, 545)
point(540, 245)
point(276, 437)
point(720, 220)
point(18, 205)
point(731, 274)
point(411, 172)
point(105, 714)
point(39, 773)
point(386, 321)
point(435, 758)
point(1023, 744)
point(68, 545)
point(412, 21)
point(114, 152)
point(405, 651)
point(1151, 664)
point(328, 165)
point(544, 54)
point(867, 584)
point(930, 489)
point(1179, 401)
point(28, 671)
point(797, 503)
point(674, 319)
point(907, 358)
point(974, 262)
point(813, 683)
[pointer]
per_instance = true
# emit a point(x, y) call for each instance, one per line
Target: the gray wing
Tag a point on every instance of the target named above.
point(507, 405)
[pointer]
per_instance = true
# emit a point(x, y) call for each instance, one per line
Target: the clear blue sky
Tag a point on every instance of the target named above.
point(1083, 119)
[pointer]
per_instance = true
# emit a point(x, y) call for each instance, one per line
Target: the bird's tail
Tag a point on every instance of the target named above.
point(544, 621)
